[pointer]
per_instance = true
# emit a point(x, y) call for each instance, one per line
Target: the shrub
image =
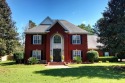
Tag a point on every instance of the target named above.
point(96, 54)
point(100, 61)
point(121, 55)
point(78, 59)
point(107, 61)
point(19, 56)
point(33, 60)
point(109, 58)
point(92, 55)
point(62, 57)
point(51, 57)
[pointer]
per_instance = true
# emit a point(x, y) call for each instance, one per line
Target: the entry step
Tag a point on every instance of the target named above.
point(56, 63)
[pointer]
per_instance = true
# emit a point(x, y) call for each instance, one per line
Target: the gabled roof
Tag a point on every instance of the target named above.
point(47, 23)
point(73, 29)
point(92, 42)
point(37, 29)
point(56, 21)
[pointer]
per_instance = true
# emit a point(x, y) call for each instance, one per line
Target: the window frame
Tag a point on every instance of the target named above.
point(76, 39)
point(76, 53)
point(106, 54)
point(56, 41)
point(36, 54)
point(37, 39)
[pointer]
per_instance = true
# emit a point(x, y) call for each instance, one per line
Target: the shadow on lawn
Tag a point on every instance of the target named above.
point(8, 63)
point(85, 71)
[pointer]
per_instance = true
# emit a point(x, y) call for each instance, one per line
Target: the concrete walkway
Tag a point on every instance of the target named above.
point(57, 66)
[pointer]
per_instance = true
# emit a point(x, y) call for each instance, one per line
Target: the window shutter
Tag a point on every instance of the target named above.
point(71, 38)
point(42, 55)
point(82, 55)
point(31, 53)
point(71, 55)
point(81, 39)
point(31, 39)
point(42, 39)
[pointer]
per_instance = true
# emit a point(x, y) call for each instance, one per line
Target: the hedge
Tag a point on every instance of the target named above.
point(109, 58)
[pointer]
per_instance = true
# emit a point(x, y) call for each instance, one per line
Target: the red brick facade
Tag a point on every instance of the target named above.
point(45, 46)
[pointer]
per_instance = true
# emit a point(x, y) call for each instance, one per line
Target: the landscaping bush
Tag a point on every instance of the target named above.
point(121, 56)
point(92, 55)
point(19, 57)
point(109, 58)
point(77, 59)
point(62, 57)
point(33, 60)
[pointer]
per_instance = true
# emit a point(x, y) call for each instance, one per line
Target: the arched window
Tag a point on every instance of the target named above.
point(57, 39)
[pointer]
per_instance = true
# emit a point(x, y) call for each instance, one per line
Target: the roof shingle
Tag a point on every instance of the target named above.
point(43, 28)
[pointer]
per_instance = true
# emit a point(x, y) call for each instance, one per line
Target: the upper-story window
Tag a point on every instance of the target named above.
point(57, 39)
point(37, 39)
point(76, 39)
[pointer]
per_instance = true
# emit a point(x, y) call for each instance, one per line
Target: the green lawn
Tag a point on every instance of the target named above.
point(79, 73)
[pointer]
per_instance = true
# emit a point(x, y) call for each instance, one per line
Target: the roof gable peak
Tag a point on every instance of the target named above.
point(57, 21)
point(47, 21)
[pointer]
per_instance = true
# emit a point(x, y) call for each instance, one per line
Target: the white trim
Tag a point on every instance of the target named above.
point(56, 45)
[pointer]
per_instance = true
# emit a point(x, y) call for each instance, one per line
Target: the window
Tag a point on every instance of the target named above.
point(106, 53)
point(37, 54)
point(76, 39)
point(76, 53)
point(57, 39)
point(37, 39)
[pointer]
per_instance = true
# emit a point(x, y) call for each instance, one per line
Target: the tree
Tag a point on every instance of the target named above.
point(87, 28)
point(8, 31)
point(31, 24)
point(111, 27)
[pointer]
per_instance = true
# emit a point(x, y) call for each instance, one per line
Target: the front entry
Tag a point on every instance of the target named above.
point(57, 55)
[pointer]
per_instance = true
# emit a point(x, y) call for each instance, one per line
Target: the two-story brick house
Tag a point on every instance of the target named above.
point(56, 38)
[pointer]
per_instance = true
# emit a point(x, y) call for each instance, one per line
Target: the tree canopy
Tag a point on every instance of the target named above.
point(8, 31)
point(87, 28)
point(111, 27)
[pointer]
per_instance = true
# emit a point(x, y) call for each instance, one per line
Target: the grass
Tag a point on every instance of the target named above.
point(79, 73)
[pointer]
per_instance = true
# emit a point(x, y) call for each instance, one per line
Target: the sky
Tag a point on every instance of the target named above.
point(74, 11)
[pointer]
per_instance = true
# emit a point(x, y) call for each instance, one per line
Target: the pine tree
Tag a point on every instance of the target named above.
point(8, 30)
point(111, 27)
